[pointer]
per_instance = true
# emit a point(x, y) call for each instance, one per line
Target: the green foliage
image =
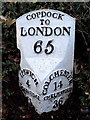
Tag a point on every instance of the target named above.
point(84, 86)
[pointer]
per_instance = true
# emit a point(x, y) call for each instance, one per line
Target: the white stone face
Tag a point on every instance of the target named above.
point(46, 41)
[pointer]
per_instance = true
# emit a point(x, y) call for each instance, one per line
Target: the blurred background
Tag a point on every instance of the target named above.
point(15, 105)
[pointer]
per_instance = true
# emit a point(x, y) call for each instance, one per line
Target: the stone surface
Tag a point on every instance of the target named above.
point(46, 41)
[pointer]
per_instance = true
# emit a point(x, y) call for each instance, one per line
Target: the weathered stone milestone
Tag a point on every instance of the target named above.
point(46, 42)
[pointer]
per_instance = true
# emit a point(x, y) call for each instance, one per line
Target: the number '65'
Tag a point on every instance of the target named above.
point(38, 47)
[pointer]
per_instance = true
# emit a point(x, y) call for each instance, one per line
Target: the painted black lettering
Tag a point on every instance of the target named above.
point(39, 30)
point(51, 77)
point(47, 22)
point(23, 32)
point(28, 83)
point(42, 20)
point(21, 74)
point(31, 31)
point(36, 83)
point(33, 15)
point(57, 31)
point(38, 14)
point(54, 15)
point(43, 14)
point(48, 31)
point(60, 16)
point(66, 30)
point(32, 76)
point(66, 73)
point(58, 85)
point(28, 17)
point(49, 14)
point(56, 74)
point(61, 72)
